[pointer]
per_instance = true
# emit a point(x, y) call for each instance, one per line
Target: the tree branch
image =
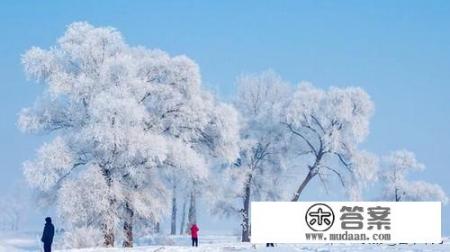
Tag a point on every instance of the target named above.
point(303, 137)
point(345, 163)
point(322, 180)
point(318, 123)
point(337, 173)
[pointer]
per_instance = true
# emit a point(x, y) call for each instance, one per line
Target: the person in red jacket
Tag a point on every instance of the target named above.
point(194, 235)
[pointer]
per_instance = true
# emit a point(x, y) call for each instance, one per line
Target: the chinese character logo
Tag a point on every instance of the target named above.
point(351, 217)
point(379, 217)
point(319, 217)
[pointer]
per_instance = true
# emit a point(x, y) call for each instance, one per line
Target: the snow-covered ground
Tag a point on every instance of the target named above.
point(25, 241)
point(29, 242)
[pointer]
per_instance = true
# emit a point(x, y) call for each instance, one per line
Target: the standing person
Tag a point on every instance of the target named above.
point(47, 235)
point(194, 235)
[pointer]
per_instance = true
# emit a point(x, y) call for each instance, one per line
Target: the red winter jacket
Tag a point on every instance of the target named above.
point(194, 231)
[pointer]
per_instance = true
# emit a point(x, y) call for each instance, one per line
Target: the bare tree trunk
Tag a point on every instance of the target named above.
point(108, 235)
point(183, 216)
point(398, 197)
point(192, 214)
point(312, 172)
point(108, 226)
point(303, 185)
point(173, 226)
point(128, 227)
point(157, 227)
point(246, 211)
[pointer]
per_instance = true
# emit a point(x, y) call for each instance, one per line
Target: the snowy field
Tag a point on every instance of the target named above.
point(29, 242)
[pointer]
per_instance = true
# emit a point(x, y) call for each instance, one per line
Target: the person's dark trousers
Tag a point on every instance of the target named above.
point(195, 242)
point(47, 247)
point(270, 245)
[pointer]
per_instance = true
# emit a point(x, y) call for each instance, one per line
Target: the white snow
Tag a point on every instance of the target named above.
point(212, 243)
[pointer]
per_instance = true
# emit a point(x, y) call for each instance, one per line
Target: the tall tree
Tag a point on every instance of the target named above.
point(327, 127)
point(120, 114)
point(173, 217)
point(183, 216)
point(260, 99)
point(192, 212)
point(261, 162)
point(177, 178)
point(92, 106)
point(396, 186)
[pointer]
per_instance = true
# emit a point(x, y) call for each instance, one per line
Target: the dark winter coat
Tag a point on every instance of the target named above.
point(49, 232)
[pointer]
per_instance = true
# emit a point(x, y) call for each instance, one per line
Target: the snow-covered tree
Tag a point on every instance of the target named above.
point(326, 128)
point(121, 116)
point(93, 108)
point(177, 178)
point(257, 172)
point(14, 207)
point(81, 237)
point(396, 186)
point(194, 118)
point(183, 215)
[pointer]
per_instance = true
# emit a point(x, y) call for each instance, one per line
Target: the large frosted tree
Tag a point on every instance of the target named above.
point(120, 118)
point(257, 173)
point(327, 127)
point(284, 128)
point(396, 186)
point(259, 100)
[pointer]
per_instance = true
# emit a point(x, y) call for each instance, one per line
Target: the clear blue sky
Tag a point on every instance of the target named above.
point(399, 51)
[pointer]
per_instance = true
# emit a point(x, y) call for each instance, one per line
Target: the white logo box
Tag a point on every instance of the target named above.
point(285, 222)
